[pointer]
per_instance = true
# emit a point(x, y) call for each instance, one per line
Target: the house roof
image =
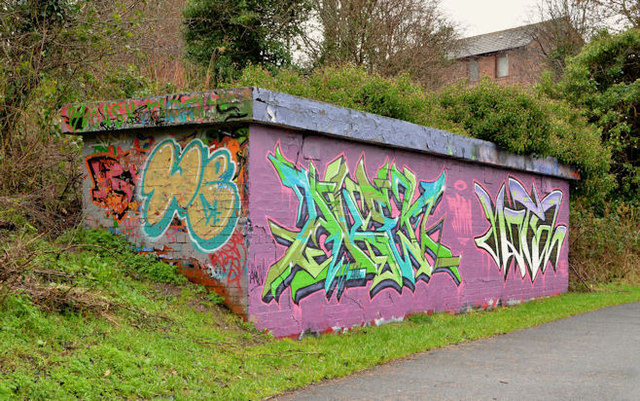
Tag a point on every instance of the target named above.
point(495, 41)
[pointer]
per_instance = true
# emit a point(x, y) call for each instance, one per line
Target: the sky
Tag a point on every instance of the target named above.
point(482, 16)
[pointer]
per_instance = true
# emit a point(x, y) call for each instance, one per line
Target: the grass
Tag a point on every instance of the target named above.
point(162, 338)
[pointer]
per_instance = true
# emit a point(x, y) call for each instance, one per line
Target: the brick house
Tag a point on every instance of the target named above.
point(511, 56)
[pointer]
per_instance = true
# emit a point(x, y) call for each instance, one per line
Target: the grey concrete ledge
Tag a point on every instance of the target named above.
point(256, 105)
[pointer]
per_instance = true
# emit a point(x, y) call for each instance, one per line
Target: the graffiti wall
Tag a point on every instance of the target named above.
point(161, 111)
point(180, 194)
point(340, 219)
point(345, 233)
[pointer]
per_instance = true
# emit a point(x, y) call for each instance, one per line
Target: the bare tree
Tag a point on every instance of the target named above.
point(625, 12)
point(566, 26)
point(388, 37)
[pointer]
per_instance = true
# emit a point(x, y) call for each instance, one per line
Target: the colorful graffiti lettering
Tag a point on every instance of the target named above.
point(231, 258)
point(523, 230)
point(103, 144)
point(143, 143)
point(194, 184)
point(181, 109)
point(351, 231)
point(113, 176)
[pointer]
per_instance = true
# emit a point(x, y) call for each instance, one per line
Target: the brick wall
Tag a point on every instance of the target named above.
point(525, 66)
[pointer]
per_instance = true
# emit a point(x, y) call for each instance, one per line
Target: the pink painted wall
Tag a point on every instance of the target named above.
point(529, 201)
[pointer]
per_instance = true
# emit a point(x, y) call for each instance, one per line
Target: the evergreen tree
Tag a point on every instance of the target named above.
point(226, 35)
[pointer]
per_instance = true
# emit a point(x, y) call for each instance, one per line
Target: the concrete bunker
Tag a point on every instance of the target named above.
point(310, 217)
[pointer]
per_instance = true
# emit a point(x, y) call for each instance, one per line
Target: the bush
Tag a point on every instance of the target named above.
point(507, 116)
point(605, 247)
point(523, 122)
point(576, 142)
point(40, 182)
point(55, 52)
point(354, 88)
point(604, 81)
point(511, 117)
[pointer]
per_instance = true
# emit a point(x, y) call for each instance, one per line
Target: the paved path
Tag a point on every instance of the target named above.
point(594, 356)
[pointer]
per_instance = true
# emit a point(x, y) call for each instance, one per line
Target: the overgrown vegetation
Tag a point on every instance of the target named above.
point(112, 325)
point(512, 117)
point(351, 87)
point(225, 35)
point(53, 52)
point(83, 316)
point(73, 273)
point(604, 247)
point(604, 82)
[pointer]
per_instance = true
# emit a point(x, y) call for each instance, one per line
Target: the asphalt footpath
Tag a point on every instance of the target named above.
point(593, 356)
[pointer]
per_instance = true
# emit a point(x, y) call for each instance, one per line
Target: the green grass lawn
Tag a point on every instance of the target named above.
point(166, 339)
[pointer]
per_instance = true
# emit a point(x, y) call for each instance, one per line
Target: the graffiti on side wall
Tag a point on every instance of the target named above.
point(523, 230)
point(180, 109)
point(113, 174)
point(230, 260)
point(194, 184)
point(351, 230)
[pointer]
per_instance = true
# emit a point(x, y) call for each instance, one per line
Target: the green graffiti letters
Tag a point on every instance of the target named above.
point(352, 230)
point(189, 108)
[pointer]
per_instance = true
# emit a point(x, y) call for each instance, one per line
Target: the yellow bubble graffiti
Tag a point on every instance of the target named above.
point(194, 185)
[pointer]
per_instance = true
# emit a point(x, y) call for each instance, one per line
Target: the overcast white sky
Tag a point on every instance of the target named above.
point(481, 16)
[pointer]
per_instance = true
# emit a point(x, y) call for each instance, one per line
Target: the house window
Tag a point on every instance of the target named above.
point(473, 70)
point(502, 66)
